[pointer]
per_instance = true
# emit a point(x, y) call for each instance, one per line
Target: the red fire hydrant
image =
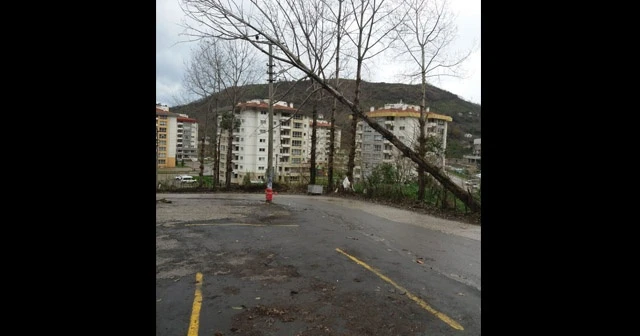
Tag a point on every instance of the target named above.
point(269, 193)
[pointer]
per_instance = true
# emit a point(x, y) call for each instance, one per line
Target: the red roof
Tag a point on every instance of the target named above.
point(183, 119)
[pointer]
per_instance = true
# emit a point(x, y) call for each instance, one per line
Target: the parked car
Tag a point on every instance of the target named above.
point(472, 183)
point(186, 179)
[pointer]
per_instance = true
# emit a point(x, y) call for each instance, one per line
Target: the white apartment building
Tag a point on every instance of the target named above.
point(402, 120)
point(323, 141)
point(291, 143)
point(187, 138)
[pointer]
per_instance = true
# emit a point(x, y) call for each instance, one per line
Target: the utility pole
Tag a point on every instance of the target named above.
point(270, 148)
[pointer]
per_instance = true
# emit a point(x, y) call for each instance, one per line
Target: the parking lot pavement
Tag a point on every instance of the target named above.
point(294, 269)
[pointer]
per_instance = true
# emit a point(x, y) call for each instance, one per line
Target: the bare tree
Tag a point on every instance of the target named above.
point(202, 77)
point(426, 35)
point(272, 21)
point(239, 70)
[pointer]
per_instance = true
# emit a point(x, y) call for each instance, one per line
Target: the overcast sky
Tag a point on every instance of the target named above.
point(171, 55)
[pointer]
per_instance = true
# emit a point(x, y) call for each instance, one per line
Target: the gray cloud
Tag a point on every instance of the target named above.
point(171, 54)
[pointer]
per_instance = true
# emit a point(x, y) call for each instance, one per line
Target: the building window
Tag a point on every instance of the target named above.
point(162, 129)
point(263, 140)
point(261, 168)
point(297, 125)
point(377, 137)
point(263, 122)
point(261, 149)
point(296, 152)
point(295, 160)
point(263, 131)
point(263, 112)
point(402, 128)
point(162, 149)
point(297, 134)
point(162, 136)
point(162, 161)
point(377, 148)
point(163, 123)
point(261, 158)
point(296, 143)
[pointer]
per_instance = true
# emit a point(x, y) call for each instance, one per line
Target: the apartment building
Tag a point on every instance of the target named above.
point(402, 120)
point(323, 141)
point(166, 136)
point(187, 138)
point(291, 143)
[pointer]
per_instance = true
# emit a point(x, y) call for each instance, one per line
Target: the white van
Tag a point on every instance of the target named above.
point(186, 179)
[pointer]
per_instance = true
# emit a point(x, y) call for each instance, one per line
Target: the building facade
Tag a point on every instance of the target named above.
point(187, 138)
point(291, 143)
point(475, 158)
point(403, 121)
point(166, 136)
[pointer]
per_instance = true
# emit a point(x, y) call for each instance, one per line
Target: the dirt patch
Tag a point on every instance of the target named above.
point(255, 266)
point(323, 310)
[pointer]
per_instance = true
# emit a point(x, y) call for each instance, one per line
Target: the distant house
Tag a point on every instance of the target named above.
point(476, 156)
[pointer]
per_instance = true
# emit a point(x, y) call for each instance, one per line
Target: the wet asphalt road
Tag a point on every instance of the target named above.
point(274, 269)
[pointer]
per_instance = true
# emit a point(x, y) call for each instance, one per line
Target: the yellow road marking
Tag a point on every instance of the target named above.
point(419, 301)
point(240, 224)
point(195, 310)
